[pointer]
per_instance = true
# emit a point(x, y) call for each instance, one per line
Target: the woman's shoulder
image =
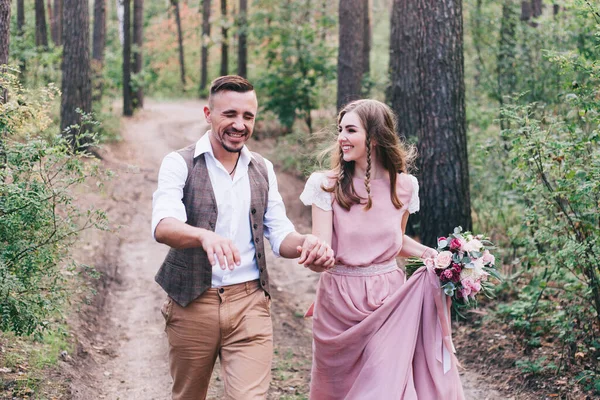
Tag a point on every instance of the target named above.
point(407, 181)
point(314, 192)
point(321, 178)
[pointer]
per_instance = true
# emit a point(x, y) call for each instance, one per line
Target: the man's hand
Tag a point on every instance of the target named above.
point(315, 254)
point(224, 250)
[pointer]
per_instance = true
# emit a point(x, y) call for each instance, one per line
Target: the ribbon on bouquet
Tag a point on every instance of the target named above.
point(443, 334)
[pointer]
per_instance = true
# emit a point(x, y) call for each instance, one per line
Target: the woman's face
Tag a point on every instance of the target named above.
point(352, 139)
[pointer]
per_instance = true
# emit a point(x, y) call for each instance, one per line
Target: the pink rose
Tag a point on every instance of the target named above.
point(443, 259)
point(455, 244)
point(465, 292)
point(472, 245)
point(488, 258)
point(448, 274)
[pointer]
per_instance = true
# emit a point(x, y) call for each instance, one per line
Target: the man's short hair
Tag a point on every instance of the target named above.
point(233, 83)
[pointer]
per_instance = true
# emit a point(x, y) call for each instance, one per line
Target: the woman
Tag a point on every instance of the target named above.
point(375, 336)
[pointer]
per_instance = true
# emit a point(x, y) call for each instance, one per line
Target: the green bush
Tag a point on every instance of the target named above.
point(39, 219)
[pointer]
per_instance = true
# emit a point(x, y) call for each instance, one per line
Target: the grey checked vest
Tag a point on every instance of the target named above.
point(186, 273)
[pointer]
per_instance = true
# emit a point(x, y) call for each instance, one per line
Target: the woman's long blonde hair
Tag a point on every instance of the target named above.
point(379, 122)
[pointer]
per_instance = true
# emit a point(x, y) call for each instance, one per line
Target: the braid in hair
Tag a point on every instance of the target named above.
point(368, 174)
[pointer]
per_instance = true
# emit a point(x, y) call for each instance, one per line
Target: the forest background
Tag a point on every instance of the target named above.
point(500, 97)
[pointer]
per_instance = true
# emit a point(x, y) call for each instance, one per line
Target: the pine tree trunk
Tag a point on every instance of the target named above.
point(4, 45)
point(52, 20)
point(428, 95)
point(507, 52)
point(41, 31)
point(175, 4)
point(138, 41)
point(127, 95)
point(525, 10)
point(20, 16)
point(205, 39)
point(58, 19)
point(120, 8)
point(99, 44)
point(76, 81)
point(225, 40)
point(243, 35)
point(536, 8)
point(367, 39)
point(350, 55)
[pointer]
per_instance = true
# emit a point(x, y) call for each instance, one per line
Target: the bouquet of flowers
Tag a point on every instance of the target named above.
point(463, 264)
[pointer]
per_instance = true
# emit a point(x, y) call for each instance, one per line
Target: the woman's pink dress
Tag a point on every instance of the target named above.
point(376, 335)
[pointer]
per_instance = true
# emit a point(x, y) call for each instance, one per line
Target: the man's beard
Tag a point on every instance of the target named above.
point(231, 149)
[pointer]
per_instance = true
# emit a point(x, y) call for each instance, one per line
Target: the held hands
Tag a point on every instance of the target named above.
point(315, 254)
point(221, 249)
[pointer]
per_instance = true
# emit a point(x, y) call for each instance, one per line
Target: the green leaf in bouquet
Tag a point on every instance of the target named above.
point(449, 289)
point(476, 254)
point(411, 265)
point(466, 260)
point(456, 258)
point(442, 244)
point(458, 230)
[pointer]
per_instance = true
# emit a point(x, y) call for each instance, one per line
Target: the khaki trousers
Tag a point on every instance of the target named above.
point(233, 323)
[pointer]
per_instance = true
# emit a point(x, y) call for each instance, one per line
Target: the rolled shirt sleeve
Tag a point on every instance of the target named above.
point(276, 223)
point(167, 199)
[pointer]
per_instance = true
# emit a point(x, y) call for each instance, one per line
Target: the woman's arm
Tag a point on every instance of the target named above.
point(412, 248)
point(322, 227)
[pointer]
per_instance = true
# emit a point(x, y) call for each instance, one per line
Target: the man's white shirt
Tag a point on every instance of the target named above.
point(233, 204)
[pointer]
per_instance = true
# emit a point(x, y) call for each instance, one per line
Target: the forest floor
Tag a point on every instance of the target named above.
point(121, 344)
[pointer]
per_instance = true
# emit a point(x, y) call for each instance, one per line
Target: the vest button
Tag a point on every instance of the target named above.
point(256, 240)
point(264, 283)
point(261, 269)
point(255, 226)
point(258, 255)
point(253, 211)
point(212, 226)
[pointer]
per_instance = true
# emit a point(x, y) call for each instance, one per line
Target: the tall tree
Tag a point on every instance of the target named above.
point(536, 8)
point(242, 37)
point(4, 44)
point(41, 31)
point(99, 44)
point(175, 4)
point(20, 33)
point(507, 52)
point(367, 38)
point(428, 93)
point(350, 55)
point(525, 10)
point(205, 41)
point(58, 19)
point(138, 41)
point(224, 39)
point(76, 74)
point(52, 20)
point(127, 95)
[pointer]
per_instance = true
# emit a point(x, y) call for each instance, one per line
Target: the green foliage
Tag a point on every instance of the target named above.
point(39, 219)
point(300, 58)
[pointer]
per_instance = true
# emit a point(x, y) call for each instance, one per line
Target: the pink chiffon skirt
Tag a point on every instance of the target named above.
point(378, 336)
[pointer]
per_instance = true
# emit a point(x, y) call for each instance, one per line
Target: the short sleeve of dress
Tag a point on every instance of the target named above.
point(314, 194)
point(413, 205)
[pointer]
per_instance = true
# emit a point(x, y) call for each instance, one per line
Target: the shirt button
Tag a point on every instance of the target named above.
point(221, 290)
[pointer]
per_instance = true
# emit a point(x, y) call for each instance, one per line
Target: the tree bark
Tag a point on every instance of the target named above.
point(4, 46)
point(58, 19)
point(205, 40)
point(243, 35)
point(536, 8)
point(20, 16)
point(350, 54)
point(76, 81)
point(507, 51)
point(428, 94)
point(41, 31)
point(225, 40)
point(127, 94)
point(99, 44)
point(367, 39)
point(525, 10)
point(175, 4)
point(138, 41)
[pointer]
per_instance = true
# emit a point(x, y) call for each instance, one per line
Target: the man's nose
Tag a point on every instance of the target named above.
point(238, 124)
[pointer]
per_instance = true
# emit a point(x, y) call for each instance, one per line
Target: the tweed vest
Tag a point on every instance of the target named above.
point(186, 273)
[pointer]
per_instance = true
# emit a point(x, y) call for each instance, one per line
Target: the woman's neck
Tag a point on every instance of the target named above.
point(377, 170)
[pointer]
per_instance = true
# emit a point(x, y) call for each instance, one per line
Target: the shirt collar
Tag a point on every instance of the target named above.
point(203, 146)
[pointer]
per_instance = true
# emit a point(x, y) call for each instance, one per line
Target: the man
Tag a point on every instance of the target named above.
point(215, 202)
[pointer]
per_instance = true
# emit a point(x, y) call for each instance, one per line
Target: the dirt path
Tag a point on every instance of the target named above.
point(127, 348)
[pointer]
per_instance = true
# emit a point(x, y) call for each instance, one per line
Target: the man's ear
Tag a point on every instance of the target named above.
point(207, 114)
